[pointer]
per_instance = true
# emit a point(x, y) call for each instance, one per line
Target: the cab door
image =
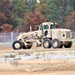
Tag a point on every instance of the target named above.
point(46, 31)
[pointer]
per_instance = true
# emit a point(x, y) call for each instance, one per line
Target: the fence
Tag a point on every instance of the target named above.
point(6, 39)
point(10, 37)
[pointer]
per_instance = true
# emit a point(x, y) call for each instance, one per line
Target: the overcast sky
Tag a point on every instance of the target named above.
point(38, 1)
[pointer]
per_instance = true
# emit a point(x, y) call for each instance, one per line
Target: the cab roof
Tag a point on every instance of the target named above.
point(48, 23)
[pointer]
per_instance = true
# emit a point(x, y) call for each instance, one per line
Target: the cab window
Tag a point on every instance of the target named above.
point(53, 26)
point(46, 27)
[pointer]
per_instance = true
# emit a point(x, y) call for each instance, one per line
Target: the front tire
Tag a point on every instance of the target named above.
point(17, 45)
point(47, 43)
point(68, 45)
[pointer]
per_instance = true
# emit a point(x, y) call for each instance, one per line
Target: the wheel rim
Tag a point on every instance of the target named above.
point(46, 44)
point(17, 45)
point(55, 43)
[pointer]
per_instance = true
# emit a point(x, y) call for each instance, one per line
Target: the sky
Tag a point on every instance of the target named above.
point(38, 1)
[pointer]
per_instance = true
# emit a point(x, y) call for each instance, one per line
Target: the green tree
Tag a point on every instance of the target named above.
point(19, 10)
point(31, 4)
point(68, 10)
point(56, 10)
point(41, 7)
point(5, 6)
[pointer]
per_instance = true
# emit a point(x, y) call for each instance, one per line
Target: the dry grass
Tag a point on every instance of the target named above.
point(37, 66)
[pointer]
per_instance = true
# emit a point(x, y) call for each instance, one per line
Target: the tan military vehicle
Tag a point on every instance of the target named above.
point(46, 35)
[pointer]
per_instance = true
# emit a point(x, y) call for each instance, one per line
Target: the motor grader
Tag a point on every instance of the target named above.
point(47, 35)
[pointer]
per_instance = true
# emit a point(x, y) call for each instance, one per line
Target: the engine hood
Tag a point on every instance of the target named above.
point(62, 29)
point(61, 34)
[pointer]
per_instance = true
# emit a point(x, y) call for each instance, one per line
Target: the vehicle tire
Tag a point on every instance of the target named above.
point(17, 45)
point(47, 43)
point(56, 43)
point(61, 45)
point(68, 45)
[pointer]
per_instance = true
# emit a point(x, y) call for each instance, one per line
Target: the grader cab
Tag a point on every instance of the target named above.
point(46, 35)
point(56, 37)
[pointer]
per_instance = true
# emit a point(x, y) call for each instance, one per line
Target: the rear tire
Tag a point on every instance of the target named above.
point(47, 43)
point(17, 45)
point(68, 45)
point(56, 43)
point(61, 45)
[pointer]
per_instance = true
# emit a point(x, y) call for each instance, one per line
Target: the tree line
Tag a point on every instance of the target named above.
point(19, 15)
